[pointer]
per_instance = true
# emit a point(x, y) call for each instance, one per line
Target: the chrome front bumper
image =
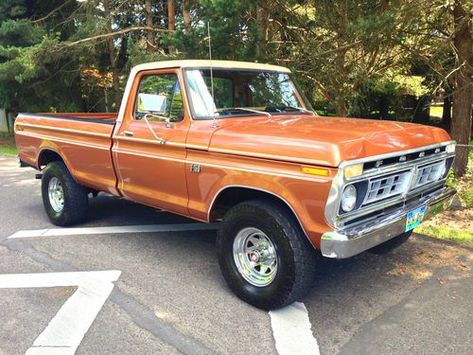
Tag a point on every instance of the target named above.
point(345, 243)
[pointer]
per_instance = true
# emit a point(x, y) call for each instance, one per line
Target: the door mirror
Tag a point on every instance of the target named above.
point(152, 103)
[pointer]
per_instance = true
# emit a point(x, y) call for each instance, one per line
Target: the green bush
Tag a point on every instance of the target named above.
point(467, 197)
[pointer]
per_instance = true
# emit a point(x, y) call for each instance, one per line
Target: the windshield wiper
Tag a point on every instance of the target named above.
point(284, 108)
point(300, 109)
point(244, 109)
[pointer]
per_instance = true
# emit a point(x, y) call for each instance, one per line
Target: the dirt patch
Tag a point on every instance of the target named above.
point(426, 256)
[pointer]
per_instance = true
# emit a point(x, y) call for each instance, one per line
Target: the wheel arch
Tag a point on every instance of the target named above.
point(48, 155)
point(231, 195)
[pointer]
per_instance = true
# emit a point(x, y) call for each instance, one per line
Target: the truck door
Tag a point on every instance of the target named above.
point(149, 146)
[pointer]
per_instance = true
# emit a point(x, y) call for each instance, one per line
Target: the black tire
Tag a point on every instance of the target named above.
point(391, 244)
point(297, 259)
point(75, 196)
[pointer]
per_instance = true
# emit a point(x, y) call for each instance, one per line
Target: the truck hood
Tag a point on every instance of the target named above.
point(323, 141)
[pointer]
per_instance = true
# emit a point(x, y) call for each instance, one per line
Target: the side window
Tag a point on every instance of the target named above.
point(159, 97)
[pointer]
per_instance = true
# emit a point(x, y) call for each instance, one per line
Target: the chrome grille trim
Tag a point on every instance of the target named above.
point(429, 173)
point(383, 187)
point(409, 189)
point(400, 165)
point(332, 207)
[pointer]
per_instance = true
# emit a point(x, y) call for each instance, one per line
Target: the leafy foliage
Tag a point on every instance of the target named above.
point(370, 58)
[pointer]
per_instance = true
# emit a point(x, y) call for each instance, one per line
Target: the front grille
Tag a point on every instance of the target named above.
point(429, 173)
point(381, 186)
point(387, 186)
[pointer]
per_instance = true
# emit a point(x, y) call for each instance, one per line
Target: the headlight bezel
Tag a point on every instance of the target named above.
point(360, 188)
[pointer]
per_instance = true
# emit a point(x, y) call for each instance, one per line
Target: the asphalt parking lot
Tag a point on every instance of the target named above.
point(158, 289)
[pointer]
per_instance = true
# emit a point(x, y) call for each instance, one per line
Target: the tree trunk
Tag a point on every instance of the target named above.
point(422, 110)
point(115, 90)
point(186, 14)
point(463, 90)
point(3, 120)
point(341, 74)
point(262, 20)
point(383, 107)
point(171, 15)
point(447, 108)
point(340, 78)
point(150, 35)
point(171, 20)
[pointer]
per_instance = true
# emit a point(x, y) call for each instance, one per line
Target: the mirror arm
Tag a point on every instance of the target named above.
point(158, 138)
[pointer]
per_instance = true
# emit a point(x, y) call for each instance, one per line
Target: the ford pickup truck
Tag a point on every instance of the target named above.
point(238, 143)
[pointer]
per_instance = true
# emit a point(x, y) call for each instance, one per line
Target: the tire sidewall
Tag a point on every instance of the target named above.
point(55, 170)
point(285, 275)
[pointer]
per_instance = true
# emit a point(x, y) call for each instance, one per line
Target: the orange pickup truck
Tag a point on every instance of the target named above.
point(237, 142)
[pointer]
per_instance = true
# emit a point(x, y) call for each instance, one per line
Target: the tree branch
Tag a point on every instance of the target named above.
point(116, 33)
point(52, 12)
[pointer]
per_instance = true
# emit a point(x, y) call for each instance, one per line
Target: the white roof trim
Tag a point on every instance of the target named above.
point(229, 64)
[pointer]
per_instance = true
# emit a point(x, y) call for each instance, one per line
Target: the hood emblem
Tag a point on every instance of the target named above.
point(379, 163)
point(421, 154)
point(402, 158)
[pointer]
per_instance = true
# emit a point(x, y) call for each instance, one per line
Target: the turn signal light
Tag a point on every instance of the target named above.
point(450, 148)
point(353, 170)
point(314, 171)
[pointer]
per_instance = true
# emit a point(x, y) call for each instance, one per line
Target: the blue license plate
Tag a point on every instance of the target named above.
point(415, 217)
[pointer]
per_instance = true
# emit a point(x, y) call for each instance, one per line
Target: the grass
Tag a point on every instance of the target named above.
point(7, 144)
point(465, 184)
point(467, 197)
point(456, 235)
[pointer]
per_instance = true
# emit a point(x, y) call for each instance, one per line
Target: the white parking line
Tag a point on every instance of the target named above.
point(147, 228)
point(292, 331)
point(66, 330)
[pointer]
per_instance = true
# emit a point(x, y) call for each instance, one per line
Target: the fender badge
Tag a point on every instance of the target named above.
point(195, 168)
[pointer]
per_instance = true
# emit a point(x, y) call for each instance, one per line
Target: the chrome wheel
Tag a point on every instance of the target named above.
point(255, 256)
point(56, 194)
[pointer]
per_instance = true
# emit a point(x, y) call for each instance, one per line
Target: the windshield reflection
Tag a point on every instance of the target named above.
point(242, 92)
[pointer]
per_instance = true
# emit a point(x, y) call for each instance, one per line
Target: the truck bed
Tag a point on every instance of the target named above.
point(82, 139)
point(96, 117)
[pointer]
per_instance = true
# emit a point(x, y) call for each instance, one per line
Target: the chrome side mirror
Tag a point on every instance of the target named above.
point(152, 103)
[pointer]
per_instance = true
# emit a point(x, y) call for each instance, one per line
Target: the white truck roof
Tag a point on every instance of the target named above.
point(205, 63)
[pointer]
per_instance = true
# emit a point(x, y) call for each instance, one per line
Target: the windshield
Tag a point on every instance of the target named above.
point(240, 92)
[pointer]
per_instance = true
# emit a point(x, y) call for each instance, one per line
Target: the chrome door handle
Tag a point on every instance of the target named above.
point(128, 133)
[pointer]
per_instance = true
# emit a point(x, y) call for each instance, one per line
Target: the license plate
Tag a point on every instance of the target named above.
point(415, 217)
